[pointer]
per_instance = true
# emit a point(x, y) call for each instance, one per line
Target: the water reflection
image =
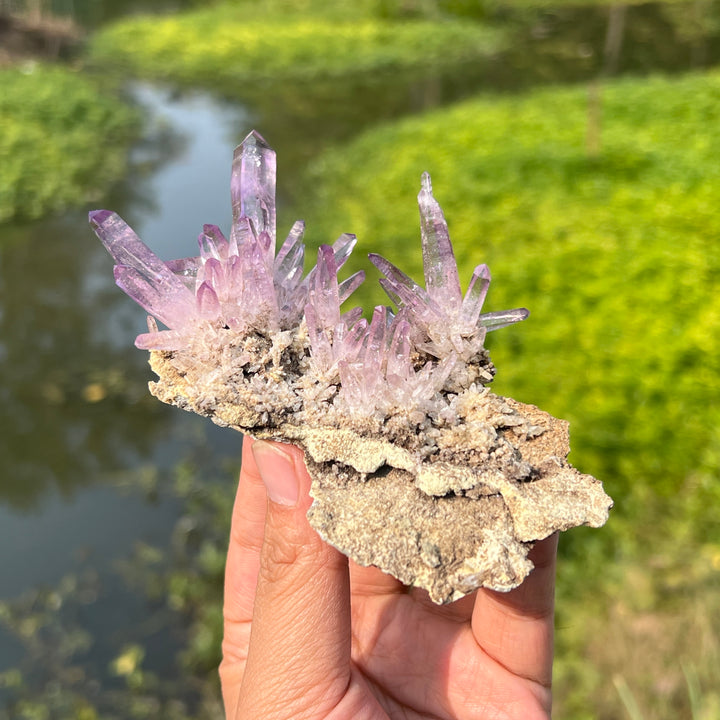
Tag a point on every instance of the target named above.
point(73, 387)
point(579, 42)
point(68, 393)
point(76, 411)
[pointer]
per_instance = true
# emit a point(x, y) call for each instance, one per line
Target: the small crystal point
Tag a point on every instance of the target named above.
point(172, 305)
point(162, 340)
point(292, 247)
point(403, 288)
point(441, 274)
point(503, 318)
point(207, 301)
point(141, 274)
point(343, 247)
point(348, 286)
point(252, 186)
point(324, 292)
point(184, 267)
point(475, 296)
point(98, 217)
point(213, 243)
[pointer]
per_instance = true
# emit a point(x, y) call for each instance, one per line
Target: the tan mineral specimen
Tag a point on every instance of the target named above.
point(417, 467)
point(447, 505)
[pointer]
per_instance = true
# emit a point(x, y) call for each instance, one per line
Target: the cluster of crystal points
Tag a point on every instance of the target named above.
point(417, 467)
point(240, 286)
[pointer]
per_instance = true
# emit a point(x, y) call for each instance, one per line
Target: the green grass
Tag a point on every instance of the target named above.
point(63, 141)
point(225, 47)
point(617, 256)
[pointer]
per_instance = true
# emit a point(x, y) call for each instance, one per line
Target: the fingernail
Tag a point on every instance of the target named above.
point(277, 471)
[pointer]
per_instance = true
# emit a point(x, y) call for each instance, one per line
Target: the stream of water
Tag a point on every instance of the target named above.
point(76, 410)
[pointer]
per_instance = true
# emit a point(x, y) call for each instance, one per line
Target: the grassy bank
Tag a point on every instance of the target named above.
point(616, 251)
point(616, 254)
point(224, 47)
point(64, 142)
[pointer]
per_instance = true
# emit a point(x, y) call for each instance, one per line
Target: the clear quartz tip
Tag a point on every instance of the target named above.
point(254, 138)
point(426, 183)
point(252, 141)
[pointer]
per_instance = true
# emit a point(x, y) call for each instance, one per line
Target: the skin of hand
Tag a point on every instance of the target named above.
point(310, 635)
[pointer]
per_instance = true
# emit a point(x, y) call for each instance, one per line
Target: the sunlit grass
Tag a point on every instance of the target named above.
point(221, 47)
point(617, 257)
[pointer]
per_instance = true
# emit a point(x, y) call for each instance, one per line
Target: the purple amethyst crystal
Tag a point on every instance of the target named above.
point(239, 285)
point(450, 322)
point(236, 284)
point(416, 466)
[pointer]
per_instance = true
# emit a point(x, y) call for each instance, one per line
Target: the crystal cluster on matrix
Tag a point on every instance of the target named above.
point(417, 467)
point(239, 286)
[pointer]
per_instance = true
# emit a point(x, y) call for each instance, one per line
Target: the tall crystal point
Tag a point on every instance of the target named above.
point(252, 186)
point(449, 322)
point(441, 273)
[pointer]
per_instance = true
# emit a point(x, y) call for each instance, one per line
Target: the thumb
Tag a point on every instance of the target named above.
point(299, 652)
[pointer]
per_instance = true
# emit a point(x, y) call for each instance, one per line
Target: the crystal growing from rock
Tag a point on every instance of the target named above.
point(417, 467)
point(238, 283)
point(452, 323)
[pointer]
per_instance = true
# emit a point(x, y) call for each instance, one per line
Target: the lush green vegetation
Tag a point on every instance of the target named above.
point(63, 141)
point(616, 250)
point(615, 254)
point(225, 46)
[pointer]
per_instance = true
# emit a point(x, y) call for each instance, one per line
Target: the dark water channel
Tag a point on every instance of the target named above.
point(75, 414)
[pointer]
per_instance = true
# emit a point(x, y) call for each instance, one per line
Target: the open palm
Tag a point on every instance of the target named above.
point(310, 636)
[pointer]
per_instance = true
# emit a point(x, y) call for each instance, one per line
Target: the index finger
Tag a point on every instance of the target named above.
point(241, 571)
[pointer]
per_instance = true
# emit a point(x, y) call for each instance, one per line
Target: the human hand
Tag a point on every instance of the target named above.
point(310, 635)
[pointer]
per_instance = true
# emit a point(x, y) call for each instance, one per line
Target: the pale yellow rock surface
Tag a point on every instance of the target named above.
point(447, 505)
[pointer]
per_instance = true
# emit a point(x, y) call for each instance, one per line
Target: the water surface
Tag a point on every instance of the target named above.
point(77, 416)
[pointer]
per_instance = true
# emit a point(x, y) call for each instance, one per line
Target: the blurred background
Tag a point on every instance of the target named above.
point(574, 148)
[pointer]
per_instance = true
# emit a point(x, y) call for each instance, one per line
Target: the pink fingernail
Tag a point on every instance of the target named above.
point(277, 471)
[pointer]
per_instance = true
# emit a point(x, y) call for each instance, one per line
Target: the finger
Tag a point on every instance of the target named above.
point(369, 581)
point(246, 538)
point(516, 628)
point(241, 572)
point(299, 655)
point(459, 610)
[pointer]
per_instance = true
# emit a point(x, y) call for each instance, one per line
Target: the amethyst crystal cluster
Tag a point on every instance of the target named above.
point(417, 467)
point(239, 285)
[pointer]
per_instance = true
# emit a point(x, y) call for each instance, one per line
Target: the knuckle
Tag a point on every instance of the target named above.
point(285, 562)
point(279, 554)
